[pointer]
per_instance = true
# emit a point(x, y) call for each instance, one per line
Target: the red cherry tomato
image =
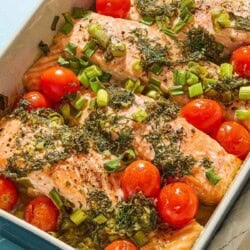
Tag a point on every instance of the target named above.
point(58, 81)
point(42, 213)
point(204, 114)
point(121, 245)
point(36, 100)
point(141, 176)
point(177, 204)
point(114, 8)
point(240, 60)
point(234, 138)
point(8, 194)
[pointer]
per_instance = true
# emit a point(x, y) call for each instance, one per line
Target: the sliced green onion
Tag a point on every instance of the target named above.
point(140, 115)
point(129, 85)
point(180, 77)
point(65, 110)
point(80, 13)
point(63, 61)
point(136, 66)
point(100, 219)
point(79, 102)
point(128, 156)
point(221, 19)
point(176, 90)
point(153, 94)
point(118, 49)
point(226, 71)
point(197, 69)
point(54, 23)
point(162, 22)
point(90, 48)
point(244, 93)
point(114, 165)
point(55, 197)
point(105, 77)
point(68, 25)
point(102, 98)
point(84, 80)
point(147, 20)
point(192, 78)
point(156, 68)
point(169, 32)
point(139, 89)
point(78, 217)
point(212, 177)
point(99, 34)
point(242, 114)
point(179, 26)
point(140, 239)
point(71, 49)
point(187, 4)
point(155, 82)
point(84, 62)
point(209, 81)
point(92, 104)
point(44, 47)
point(93, 71)
point(95, 84)
point(195, 90)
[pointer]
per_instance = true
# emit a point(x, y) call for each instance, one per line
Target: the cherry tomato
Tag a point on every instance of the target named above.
point(42, 213)
point(8, 194)
point(36, 100)
point(177, 204)
point(141, 176)
point(204, 114)
point(58, 81)
point(114, 8)
point(121, 245)
point(240, 60)
point(234, 138)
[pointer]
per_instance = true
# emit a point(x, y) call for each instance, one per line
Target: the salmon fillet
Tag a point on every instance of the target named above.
point(230, 38)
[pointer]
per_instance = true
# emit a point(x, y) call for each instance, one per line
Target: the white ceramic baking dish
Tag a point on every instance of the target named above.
point(15, 58)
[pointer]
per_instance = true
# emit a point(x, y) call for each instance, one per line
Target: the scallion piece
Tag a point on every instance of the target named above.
point(68, 25)
point(226, 71)
point(244, 93)
point(80, 13)
point(187, 4)
point(147, 20)
point(136, 66)
point(162, 22)
point(176, 90)
point(140, 115)
point(179, 26)
point(54, 23)
point(78, 216)
point(156, 68)
point(63, 61)
point(100, 219)
point(102, 98)
point(180, 77)
point(242, 114)
point(105, 77)
point(192, 78)
point(153, 94)
point(212, 177)
point(92, 71)
point(65, 110)
point(71, 49)
point(79, 102)
point(155, 82)
point(221, 19)
point(129, 85)
point(195, 90)
point(209, 81)
point(84, 62)
point(118, 49)
point(90, 48)
point(169, 32)
point(99, 34)
point(55, 197)
point(139, 89)
point(95, 84)
point(140, 238)
point(84, 80)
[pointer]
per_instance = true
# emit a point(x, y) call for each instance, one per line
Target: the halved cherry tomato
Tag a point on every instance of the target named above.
point(204, 114)
point(121, 245)
point(36, 100)
point(234, 138)
point(141, 176)
point(58, 81)
point(8, 194)
point(177, 204)
point(42, 213)
point(114, 8)
point(240, 60)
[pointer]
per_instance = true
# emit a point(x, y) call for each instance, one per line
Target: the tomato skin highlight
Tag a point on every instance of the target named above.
point(240, 60)
point(204, 114)
point(177, 204)
point(8, 194)
point(121, 245)
point(141, 176)
point(114, 8)
point(58, 81)
point(234, 138)
point(36, 100)
point(42, 213)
